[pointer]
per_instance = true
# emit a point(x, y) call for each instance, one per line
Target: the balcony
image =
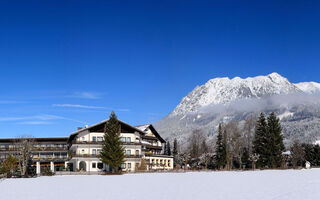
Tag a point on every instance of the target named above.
point(149, 137)
point(47, 159)
point(37, 149)
point(131, 143)
point(100, 142)
point(86, 155)
point(86, 142)
point(154, 147)
point(133, 156)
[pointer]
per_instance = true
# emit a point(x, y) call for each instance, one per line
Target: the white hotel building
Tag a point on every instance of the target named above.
point(140, 143)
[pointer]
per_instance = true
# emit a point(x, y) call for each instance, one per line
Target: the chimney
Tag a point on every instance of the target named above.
point(79, 128)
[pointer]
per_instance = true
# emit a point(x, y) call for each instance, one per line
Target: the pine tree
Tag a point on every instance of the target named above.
point(9, 166)
point(261, 141)
point(165, 149)
point(245, 158)
point(112, 152)
point(175, 147)
point(168, 149)
point(204, 147)
point(276, 146)
point(220, 149)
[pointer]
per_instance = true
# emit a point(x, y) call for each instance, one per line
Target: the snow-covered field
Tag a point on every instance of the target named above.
point(258, 185)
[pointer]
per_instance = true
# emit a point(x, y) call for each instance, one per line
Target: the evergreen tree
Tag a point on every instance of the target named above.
point(112, 152)
point(245, 158)
point(9, 166)
point(175, 147)
point(261, 141)
point(204, 146)
point(220, 149)
point(276, 146)
point(165, 149)
point(168, 149)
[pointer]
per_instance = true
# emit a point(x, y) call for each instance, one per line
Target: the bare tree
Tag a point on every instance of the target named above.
point(297, 154)
point(184, 159)
point(235, 144)
point(254, 158)
point(205, 159)
point(24, 146)
point(248, 131)
point(195, 142)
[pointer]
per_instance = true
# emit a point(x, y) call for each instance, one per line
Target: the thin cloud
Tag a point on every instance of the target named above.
point(85, 95)
point(11, 102)
point(90, 107)
point(36, 122)
point(38, 119)
point(78, 106)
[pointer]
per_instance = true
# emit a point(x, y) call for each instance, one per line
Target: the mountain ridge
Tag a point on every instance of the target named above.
point(224, 100)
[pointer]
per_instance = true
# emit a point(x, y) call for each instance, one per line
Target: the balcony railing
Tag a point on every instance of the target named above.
point(100, 142)
point(153, 147)
point(62, 158)
point(37, 149)
point(97, 155)
point(131, 143)
point(149, 137)
point(86, 142)
point(133, 156)
point(85, 155)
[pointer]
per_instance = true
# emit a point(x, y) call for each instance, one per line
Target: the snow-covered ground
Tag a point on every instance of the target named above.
point(257, 185)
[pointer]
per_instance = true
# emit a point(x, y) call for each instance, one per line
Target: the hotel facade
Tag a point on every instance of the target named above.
point(143, 146)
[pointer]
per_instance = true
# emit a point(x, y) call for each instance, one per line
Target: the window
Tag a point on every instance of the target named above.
point(99, 139)
point(82, 150)
point(128, 139)
point(94, 151)
point(123, 165)
point(94, 165)
point(99, 151)
point(82, 138)
point(128, 152)
point(94, 138)
point(123, 139)
point(129, 165)
point(100, 165)
point(137, 152)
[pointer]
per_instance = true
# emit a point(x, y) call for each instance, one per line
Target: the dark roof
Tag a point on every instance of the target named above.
point(74, 134)
point(42, 139)
point(153, 130)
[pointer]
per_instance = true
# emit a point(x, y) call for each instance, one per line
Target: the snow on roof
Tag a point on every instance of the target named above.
point(143, 127)
point(286, 153)
point(145, 142)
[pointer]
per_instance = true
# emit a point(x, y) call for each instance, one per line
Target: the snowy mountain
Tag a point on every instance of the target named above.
point(224, 100)
point(225, 90)
point(309, 87)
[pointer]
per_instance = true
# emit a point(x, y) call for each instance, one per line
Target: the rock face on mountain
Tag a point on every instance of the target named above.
point(223, 100)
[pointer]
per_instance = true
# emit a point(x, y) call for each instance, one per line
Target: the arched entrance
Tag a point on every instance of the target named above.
point(82, 166)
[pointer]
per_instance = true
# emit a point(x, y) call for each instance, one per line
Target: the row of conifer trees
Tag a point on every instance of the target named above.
point(259, 144)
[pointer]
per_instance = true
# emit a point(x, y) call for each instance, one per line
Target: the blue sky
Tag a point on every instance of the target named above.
point(65, 64)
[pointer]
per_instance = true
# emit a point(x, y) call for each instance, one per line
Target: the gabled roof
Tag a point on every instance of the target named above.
point(153, 130)
point(143, 127)
point(36, 139)
point(74, 134)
